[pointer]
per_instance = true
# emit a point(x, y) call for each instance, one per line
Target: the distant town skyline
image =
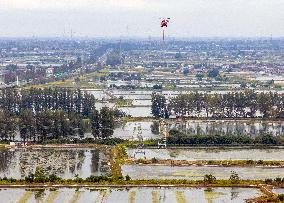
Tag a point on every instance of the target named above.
point(140, 18)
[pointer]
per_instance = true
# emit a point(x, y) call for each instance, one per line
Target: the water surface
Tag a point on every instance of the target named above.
point(134, 195)
point(66, 163)
point(278, 190)
point(195, 154)
point(198, 172)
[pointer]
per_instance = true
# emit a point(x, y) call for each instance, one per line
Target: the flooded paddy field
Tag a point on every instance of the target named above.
point(146, 94)
point(18, 163)
point(150, 129)
point(198, 172)
point(129, 130)
point(142, 102)
point(236, 127)
point(137, 111)
point(278, 190)
point(203, 127)
point(134, 195)
point(198, 154)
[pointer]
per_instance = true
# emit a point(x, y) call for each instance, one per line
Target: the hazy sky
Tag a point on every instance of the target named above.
point(140, 18)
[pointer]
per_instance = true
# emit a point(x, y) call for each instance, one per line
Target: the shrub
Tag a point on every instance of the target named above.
point(250, 162)
point(127, 178)
point(210, 162)
point(39, 175)
point(12, 180)
point(268, 181)
point(124, 151)
point(97, 179)
point(260, 162)
point(278, 180)
point(53, 178)
point(30, 178)
point(154, 160)
point(5, 178)
point(281, 197)
point(142, 161)
point(209, 178)
point(234, 177)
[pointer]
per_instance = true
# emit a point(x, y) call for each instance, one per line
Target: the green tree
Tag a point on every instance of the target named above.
point(27, 125)
point(39, 174)
point(200, 76)
point(209, 178)
point(234, 177)
point(107, 122)
point(44, 125)
point(213, 73)
point(95, 120)
point(159, 106)
point(7, 126)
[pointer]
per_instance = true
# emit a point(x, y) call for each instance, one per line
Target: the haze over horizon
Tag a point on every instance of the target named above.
point(140, 18)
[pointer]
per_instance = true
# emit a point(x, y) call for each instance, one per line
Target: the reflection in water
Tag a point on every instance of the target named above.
point(6, 159)
point(39, 194)
point(132, 197)
point(24, 197)
point(53, 161)
point(95, 160)
point(234, 193)
point(180, 197)
point(62, 162)
point(158, 196)
point(226, 127)
point(100, 162)
point(51, 196)
point(150, 130)
point(210, 195)
point(155, 128)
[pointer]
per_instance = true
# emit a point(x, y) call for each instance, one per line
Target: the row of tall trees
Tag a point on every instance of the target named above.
point(54, 124)
point(248, 104)
point(102, 123)
point(51, 113)
point(70, 101)
point(46, 125)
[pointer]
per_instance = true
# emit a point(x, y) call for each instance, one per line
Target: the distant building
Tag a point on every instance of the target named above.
point(49, 72)
point(2, 81)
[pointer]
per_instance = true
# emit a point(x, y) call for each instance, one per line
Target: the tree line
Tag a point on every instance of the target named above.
point(40, 115)
point(179, 138)
point(54, 125)
point(36, 99)
point(247, 104)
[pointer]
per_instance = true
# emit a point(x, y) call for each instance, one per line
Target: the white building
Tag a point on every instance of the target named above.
point(49, 72)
